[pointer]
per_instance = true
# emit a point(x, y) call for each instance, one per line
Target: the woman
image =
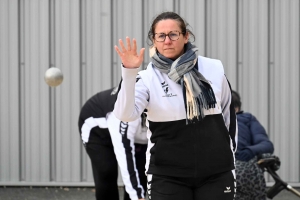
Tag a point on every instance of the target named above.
point(253, 141)
point(191, 125)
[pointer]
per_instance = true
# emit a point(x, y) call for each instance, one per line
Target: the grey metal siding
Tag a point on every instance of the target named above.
point(9, 98)
point(257, 41)
point(284, 85)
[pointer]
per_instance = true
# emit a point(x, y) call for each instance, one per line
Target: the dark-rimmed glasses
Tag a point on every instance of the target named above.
point(161, 37)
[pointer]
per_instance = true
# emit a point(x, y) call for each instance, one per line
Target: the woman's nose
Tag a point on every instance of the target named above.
point(167, 39)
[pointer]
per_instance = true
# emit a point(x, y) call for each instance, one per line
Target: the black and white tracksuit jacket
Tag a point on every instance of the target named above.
point(97, 111)
point(175, 148)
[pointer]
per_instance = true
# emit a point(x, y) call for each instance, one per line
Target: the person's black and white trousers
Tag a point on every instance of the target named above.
point(105, 166)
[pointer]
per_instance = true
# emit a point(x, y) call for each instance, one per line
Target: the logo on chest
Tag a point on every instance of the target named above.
point(166, 89)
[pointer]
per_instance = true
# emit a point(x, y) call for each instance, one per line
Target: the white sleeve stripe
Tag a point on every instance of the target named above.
point(89, 124)
point(123, 139)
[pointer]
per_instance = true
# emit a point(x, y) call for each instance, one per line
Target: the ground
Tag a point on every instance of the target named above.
point(79, 193)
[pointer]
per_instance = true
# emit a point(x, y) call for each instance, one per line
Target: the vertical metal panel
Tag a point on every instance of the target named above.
point(284, 98)
point(9, 76)
point(96, 44)
point(86, 167)
point(34, 92)
point(194, 13)
point(96, 48)
point(252, 71)
point(67, 101)
point(221, 34)
point(253, 58)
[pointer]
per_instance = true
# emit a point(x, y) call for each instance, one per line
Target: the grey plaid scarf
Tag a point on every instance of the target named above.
point(197, 90)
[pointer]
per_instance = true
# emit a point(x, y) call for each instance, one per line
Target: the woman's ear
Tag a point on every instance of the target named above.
point(186, 37)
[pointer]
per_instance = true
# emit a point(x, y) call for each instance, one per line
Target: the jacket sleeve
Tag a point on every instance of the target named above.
point(132, 97)
point(122, 135)
point(260, 140)
point(229, 113)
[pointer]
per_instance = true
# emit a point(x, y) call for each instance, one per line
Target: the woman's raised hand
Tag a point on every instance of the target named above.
point(129, 56)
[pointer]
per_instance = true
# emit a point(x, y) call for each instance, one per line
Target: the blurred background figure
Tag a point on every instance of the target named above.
point(110, 142)
point(253, 141)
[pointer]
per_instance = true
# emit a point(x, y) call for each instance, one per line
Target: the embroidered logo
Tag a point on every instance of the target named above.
point(165, 87)
point(227, 190)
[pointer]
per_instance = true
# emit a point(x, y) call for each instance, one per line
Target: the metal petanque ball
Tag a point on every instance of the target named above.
point(53, 77)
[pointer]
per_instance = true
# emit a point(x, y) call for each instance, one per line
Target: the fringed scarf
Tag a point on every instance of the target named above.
point(197, 90)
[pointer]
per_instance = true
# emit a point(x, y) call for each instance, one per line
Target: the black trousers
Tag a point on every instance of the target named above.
point(217, 187)
point(105, 166)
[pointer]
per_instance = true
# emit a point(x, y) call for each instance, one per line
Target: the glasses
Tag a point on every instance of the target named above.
point(161, 37)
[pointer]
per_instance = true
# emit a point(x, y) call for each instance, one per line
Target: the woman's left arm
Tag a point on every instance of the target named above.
point(229, 112)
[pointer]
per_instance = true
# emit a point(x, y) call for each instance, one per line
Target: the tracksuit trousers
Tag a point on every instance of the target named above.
point(105, 166)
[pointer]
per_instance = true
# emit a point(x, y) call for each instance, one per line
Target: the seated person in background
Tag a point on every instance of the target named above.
point(252, 142)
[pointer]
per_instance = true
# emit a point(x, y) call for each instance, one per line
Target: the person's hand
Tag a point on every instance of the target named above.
point(245, 155)
point(141, 199)
point(129, 56)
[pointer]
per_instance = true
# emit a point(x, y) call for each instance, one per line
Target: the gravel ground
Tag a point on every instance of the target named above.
point(79, 193)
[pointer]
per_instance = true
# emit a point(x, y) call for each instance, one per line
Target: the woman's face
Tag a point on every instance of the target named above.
point(168, 48)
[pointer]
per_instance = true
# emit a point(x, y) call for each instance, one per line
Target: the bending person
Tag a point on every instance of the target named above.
point(110, 142)
point(252, 142)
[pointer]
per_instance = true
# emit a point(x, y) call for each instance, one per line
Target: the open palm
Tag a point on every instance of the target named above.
point(129, 56)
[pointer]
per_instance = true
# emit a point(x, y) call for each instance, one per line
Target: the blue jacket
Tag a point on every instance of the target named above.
point(252, 138)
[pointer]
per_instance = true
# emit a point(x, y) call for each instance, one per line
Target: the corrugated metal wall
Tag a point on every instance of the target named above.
point(257, 41)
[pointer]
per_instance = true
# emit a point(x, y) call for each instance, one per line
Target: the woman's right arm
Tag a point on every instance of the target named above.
point(133, 96)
